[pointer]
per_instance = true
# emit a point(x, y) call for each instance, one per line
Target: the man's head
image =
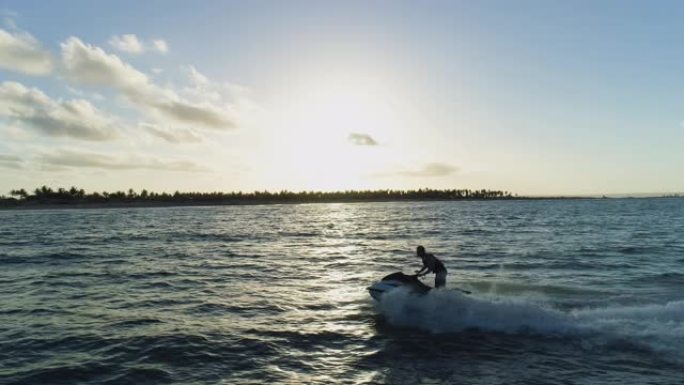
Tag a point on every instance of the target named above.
point(420, 251)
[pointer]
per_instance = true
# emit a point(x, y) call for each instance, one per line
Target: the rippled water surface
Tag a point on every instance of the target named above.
point(564, 292)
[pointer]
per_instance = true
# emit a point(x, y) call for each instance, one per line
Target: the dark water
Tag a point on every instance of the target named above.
point(565, 292)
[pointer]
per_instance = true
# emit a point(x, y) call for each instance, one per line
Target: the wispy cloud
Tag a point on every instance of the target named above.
point(171, 135)
point(428, 170)
point(431, 170)
point(160, 45)
point(203, 105)
point(362, 139)
point(85, 95)
point(217, 93)
point(81, 159)
point(127, 43)
point(21, 52)
point(75, 118)
point(130, 43)
point(10, 161)
point(91, 65)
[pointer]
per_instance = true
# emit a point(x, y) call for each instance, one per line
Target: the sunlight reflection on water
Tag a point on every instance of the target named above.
point(249, 294)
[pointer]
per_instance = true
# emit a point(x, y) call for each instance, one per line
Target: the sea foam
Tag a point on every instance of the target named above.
point(656, 326)
point(446, 311)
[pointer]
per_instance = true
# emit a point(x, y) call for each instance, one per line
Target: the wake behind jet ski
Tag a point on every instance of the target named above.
point(396, 280)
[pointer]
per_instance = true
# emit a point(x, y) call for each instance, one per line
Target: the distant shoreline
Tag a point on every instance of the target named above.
point(47, 197)
point(74, 198)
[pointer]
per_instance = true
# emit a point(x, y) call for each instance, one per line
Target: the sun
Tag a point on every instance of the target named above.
point(315, 127)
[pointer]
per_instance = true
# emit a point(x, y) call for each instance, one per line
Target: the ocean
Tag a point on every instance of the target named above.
point(563, 292)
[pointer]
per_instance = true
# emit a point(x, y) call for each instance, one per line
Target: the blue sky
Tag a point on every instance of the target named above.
point(540, 98)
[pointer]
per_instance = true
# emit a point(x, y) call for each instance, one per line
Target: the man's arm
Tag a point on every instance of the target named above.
point(420, 272)
point(428, 267)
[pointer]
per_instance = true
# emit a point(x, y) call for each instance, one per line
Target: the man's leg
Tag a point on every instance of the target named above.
point(440, 279)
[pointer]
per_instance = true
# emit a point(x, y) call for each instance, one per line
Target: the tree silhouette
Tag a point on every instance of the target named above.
point(74, 195)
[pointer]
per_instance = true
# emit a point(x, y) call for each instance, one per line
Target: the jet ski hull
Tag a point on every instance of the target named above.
point(394, 281)
point(377, 289)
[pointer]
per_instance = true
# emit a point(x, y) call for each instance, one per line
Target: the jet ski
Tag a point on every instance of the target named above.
point(395, 280)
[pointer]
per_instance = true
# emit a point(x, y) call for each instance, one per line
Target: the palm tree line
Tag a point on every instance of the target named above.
point(47, 195)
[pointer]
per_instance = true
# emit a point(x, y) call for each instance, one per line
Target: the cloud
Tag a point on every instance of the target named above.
point(235, 99)
point(361, 139)
point(75, 118)
point(184, 112)
point(21, 52)
point(130, 43)
point(91, 65)
point(171, 135)
point(431, 170)
point(198, 79)
point(80, 159)
point(85, 95)
point(9, 161)
point(160, 45)
point(127, 43)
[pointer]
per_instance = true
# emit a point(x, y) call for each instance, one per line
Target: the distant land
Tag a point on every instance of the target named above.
point(74, 197)
point(47, 197)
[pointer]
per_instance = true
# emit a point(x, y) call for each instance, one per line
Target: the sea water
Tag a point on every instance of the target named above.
point(563, 292)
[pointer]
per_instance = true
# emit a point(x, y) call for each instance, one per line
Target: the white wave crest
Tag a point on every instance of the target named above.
point(658, 326)
point(657, 321)
point(444, 311)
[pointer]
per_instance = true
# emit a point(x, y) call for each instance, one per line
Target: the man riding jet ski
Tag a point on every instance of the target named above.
point(430, 265)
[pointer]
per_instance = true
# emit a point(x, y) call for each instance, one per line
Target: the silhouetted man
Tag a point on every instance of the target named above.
point(431, 265)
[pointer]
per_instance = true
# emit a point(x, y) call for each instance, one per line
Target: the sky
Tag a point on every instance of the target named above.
point(532, 97)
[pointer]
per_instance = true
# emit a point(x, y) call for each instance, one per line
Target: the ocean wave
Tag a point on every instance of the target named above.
point(190, 236)
point(509, 288)
point(298, 234)
point(445, 311)
point(41, 258)
point(657, 326)
point(662, 279)
point(137, 359)
point(252, 309)
point(61, 374)
point(132, 323)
